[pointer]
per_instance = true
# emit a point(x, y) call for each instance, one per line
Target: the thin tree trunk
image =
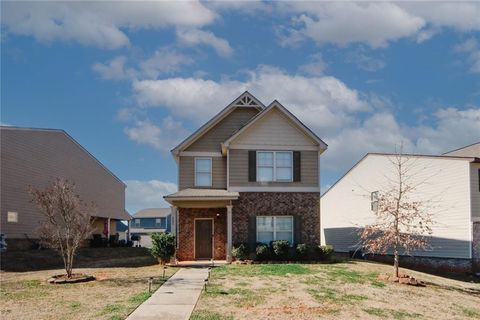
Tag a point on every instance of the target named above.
point(395, 263)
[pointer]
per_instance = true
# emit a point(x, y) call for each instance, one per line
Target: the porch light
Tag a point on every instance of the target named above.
point(164, 268)
point(218, 214)
point(150, 282)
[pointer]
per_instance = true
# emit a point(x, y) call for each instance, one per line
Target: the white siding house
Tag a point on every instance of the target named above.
point(451, 189)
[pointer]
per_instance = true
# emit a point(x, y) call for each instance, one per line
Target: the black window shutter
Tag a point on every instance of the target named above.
point(296, 166)
point(252, 232)
point(252, 165)
point(297, 230)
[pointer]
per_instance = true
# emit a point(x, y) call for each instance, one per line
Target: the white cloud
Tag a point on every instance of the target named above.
point(162, 137)
point(113, 69)
point(98, 23)
point(194, 37)
point(322, 102)
point(315, 65)
point(471, 47)
point(147, 194)
point(164, 61)
point(364, 61)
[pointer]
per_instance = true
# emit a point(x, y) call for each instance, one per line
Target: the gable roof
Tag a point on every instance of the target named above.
point(61, 131)
point(246, 99)
point(471, 149)
point(442, 157)
point(288, 114)
point(153, 213)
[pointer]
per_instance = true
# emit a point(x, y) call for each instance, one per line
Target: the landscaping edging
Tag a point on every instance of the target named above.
point(76, 278)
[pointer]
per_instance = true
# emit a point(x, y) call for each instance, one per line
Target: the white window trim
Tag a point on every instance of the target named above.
point(211, 171)
point(275, 165)
point(275, 227)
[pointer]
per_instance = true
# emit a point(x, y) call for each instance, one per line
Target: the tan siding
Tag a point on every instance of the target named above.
point(475, 189)
point(346, 206)
point(36, 158)
point(274, 129)
point(212, 139)
point(239, 170)
point(187, 172)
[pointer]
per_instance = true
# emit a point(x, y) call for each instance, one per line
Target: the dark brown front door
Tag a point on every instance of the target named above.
point(203, 239)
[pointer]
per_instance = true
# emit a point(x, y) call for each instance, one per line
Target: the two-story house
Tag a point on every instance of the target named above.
point(250, 174)
point(148, 221)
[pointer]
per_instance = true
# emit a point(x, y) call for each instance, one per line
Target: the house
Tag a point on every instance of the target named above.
point(450, 186)
point(147, 221)
point(36, 157)
point(248, 175)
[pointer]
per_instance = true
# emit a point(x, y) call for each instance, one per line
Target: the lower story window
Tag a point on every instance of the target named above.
point(271, 228)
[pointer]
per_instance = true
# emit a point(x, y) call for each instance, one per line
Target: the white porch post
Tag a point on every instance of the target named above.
point(174, 223)
point(229, 233)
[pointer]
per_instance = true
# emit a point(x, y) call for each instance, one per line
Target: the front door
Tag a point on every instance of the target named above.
point(203, 239)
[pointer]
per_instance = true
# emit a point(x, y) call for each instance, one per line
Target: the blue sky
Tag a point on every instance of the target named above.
point(130, 80)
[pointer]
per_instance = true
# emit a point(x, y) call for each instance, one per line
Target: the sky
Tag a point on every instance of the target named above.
point(129, 80)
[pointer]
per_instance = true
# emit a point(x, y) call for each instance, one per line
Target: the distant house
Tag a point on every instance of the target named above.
point(36, 157)
point(147, 221)
point(452, 180)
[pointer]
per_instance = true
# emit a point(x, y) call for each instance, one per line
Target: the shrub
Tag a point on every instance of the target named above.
point(280, 248)
point(302, 251)
point(262, 251)
point(163, 246)
point(325, 252)
point(240, 251)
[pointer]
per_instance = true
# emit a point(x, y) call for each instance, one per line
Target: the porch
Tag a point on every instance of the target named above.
point(202, 223)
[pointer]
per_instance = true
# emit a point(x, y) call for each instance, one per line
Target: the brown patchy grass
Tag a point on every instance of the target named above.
point(115, 294)
point(348, 290)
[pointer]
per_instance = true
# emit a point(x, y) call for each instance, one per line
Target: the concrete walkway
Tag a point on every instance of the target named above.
point(176, 298)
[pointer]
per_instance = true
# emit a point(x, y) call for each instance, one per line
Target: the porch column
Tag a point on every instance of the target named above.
point(174, 224)
point(229, 233)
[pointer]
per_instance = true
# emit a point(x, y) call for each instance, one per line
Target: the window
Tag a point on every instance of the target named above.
point(160, 222)
point(374, 201)
point(203, 172)
point(136, 223)
point(270, 228)
point(12, 216)
point(274, 166)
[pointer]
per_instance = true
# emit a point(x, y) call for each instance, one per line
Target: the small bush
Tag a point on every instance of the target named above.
point(262, 251)
point(163, 246)
point(302, 251)
point(280, 248)
point(325, 252)
point(240, 251)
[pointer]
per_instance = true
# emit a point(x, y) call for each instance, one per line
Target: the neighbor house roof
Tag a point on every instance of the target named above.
point(444, 157)
point(203, 194)
point(246, 99)
point(288, 114)
point(471, 150)
point(61, 131)
point(153, 213)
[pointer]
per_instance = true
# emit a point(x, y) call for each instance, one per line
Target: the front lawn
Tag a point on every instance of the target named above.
point(348, 290)
point(115, 294)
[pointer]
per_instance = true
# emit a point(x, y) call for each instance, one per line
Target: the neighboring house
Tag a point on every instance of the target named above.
point(36, 157)
point(147, 221)
point(448, 184)
point(122, 230)
point(250, 174)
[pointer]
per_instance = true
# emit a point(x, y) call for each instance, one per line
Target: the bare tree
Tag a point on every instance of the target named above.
point(68, 221)
point(402, 221)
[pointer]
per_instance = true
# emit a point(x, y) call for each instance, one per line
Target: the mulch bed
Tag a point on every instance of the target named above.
point(402, 279)
point(75, 278)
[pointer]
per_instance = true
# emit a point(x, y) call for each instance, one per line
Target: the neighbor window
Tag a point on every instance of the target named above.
point(160, 222)
point(12, 216)
point(270, 228)
point(136, 223)
point(274, 166)
point(374, 201)
point(203, 172)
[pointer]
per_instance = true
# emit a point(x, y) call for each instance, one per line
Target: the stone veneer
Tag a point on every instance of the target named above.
point(298, 204)
point(187, 216)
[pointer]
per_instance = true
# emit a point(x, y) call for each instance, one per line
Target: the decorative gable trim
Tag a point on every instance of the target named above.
point(246, 99)
point(275, 104)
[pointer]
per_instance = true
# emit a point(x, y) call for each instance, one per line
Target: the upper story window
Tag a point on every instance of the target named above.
point(203, 172)
point(12, 216)
point(136, 223)
point(160, 223)
point(374, 201)
point(274, 166)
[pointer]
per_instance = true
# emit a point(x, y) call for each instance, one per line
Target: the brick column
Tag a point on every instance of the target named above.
point(229, 233)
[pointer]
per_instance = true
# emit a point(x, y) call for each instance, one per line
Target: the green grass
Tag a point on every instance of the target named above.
point(260, 270)
point(243, 296)
point(114, 311)
point(208, 315)
point(396, 314)
point(345, 275)
point(140, 297)
point(470, 312)
point(74, 305)
point(379, 312)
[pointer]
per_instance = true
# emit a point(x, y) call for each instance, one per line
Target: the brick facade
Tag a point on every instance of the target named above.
point(476, 247)
point(298, 204)
point(186, 236)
